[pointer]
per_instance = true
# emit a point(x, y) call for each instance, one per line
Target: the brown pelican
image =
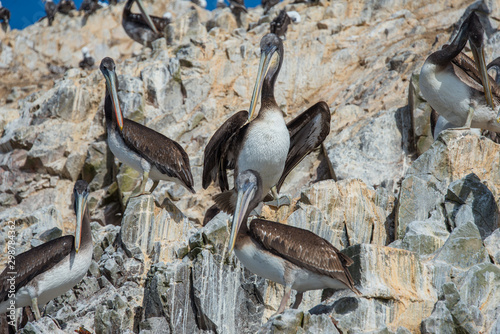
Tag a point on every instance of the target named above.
point(143, 28)
point(439, 123)
point(458, 88)
point(90, 6)
point(65, 6)
point(49, 270)
point(88, 61)
point(50, 10)
point(147, 151)
point(265, 144)
point(279, 25)
point(4, 18)
point(291, 256)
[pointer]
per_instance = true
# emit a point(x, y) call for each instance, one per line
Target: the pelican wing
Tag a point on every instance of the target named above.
point(34, 262)
point(162, 152)
point(307, 131)
point(304, 249)
point(465, 68)
point(219, 152)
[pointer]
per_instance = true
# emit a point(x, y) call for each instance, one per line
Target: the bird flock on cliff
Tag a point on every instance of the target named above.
point(258, 145)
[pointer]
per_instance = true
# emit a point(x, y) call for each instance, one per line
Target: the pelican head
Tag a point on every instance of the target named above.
point(476, 38)
point(107, 68)
point(271, 58)
point(81, 193)
point(248, 185)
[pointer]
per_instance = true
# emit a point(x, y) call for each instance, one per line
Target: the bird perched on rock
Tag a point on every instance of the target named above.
point(90, 6)
point(142, 27)
point(238, 8)
point(459, 88)
point(50, 10)
point(65, 6)
point(49, 270)
point(88, 61)
point(147, 151)
point(4, 18)
point(265, 144)
point(279, 25)
point(291, 256)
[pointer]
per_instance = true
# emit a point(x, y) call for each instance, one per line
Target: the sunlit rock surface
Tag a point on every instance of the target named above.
point(419, 217)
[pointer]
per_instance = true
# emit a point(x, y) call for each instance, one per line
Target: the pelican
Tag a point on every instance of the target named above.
point(49, 270)
point(88, 61)
point(147, 151)
point(459, 88)
point(50, 10)
point(279, 25)
point(265, 144)
point(288, 255)
point(439, 123)
point(143, 28)
point(4, 17)
point(65, 6)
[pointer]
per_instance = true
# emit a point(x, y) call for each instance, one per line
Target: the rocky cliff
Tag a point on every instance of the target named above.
point(419, 217)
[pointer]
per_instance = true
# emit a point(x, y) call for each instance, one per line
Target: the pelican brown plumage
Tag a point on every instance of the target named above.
point(143, 28)
point(265, 144)
point(459, 88)
point(147, 151)
point(288, 255)
point(49, 270)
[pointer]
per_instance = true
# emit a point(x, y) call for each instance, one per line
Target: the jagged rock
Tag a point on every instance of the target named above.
point(37, 225)
point(295, 321)
point(440, 321)
point(425, 237)
point(98, 165)
point(389, 291)
point(223, 19)
point(463, 248)
point(471, 195)
point(114, 316)
point(345, 213)
point(452, 157)
point(42, 326)
point(492, 244)
point(478, 290)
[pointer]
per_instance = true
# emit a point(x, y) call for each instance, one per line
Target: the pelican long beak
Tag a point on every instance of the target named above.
point(146, 17)
point(111, 86)
point(478, 54)
point(245, 195)
point(265, 61)
point(81, 205)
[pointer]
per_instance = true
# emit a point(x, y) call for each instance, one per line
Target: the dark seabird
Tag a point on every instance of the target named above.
point(4, 18)
point(90, 6)
point(49, 270)
point(291, 256)
point(65, 6)
point(147, 151)
point(88, 61)
point(457, 87)
point(50, 10)
point(238, 8)
point(143, 28)
point(279, 25)
point(265, 144)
